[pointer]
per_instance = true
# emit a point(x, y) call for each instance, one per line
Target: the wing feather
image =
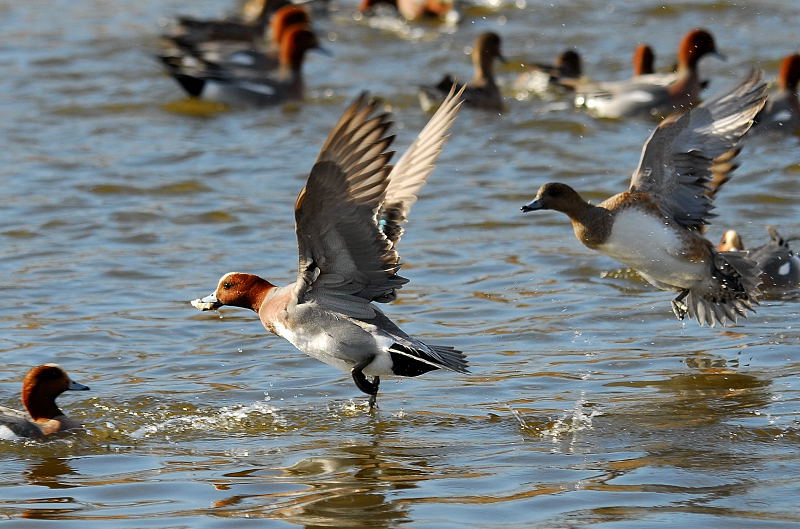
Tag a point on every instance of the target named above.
point(413, 168)
point(346, 258)
point(685, 152)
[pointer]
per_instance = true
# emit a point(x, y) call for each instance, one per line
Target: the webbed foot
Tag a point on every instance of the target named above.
point(679, 308)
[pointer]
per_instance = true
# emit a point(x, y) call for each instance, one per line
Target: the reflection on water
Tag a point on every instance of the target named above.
point(50, 472)
point(589, 405)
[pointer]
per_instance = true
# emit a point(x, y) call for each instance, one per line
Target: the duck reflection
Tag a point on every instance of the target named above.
point(710, 393)
point(350, 487)
point(49, 472)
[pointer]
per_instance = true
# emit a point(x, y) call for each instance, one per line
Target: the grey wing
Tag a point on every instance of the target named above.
point(345, 259)
point(19, 423)
point(683, 153)
point(413, 168)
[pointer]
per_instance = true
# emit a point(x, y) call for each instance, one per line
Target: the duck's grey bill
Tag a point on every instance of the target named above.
point(209, 302)
point(75, 386)
point(533, 205)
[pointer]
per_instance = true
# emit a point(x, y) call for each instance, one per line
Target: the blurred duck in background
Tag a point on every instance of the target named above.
point(237, 86)
point(780, 267)
point(482, 91)
point(643, 96)
point(250, 27)
point(413, 10)
point(551, 79)
point(236, 58)
point(782, 111)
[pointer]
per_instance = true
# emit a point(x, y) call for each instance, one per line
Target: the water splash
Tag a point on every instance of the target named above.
point(226, 418)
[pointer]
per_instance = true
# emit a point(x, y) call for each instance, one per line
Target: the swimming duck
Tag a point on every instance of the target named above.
point(654, 226)
point(349, 219)
point(649, 96)
point(40, 388)
point(782, 111)
point(543, 79)
point(251, 29)
point(215, 83)
point(780, 267)
point(412, 10)
point(482, 91)
point(236, 59)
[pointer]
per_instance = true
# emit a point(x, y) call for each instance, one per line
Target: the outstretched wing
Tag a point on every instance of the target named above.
point(683, 153)
point(348, 216)
point(345, 260)
point(413, 168)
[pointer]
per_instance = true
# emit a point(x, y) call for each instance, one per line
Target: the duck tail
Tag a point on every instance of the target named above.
point(411, 361)
point(732, 291)
point(451, 358)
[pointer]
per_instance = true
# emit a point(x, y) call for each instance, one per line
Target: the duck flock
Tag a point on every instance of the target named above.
point(350, 215)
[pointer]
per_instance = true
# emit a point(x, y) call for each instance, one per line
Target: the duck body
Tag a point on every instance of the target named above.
point(349, 218)
point(344, 341)
point(548, 79)
point(645, 239)
point(249, 28)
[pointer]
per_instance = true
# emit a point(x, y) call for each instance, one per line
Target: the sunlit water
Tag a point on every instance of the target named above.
point(588, 403)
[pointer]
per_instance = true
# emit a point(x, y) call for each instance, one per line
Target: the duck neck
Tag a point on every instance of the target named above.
point(591, 224)
point(685, 91)
point(643, 61)
point(483, 68)
point(787, 81)
point(291, 63)
point(257, 294)
point(40, 406)
point(689, 56)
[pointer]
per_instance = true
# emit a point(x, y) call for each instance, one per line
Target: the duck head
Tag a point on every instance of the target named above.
point(41, 386)
point(694, 46)
point(284, 18)
point(237, 290)
point(554, 195)
point(731, 242)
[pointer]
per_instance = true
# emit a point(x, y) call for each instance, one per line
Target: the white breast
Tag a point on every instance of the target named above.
point(653, 247)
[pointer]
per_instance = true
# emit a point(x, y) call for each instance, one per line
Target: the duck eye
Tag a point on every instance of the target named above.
point(226, 285)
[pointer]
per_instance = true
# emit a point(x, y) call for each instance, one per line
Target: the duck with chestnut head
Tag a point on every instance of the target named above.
point(40, 388)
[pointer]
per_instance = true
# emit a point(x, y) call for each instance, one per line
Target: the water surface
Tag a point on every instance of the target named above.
point(588, 405)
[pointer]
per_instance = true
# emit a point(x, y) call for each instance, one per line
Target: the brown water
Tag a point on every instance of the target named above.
point(589, 405)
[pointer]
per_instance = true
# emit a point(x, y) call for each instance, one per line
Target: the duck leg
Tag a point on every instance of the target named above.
point(679, 308)
point(370, 387)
